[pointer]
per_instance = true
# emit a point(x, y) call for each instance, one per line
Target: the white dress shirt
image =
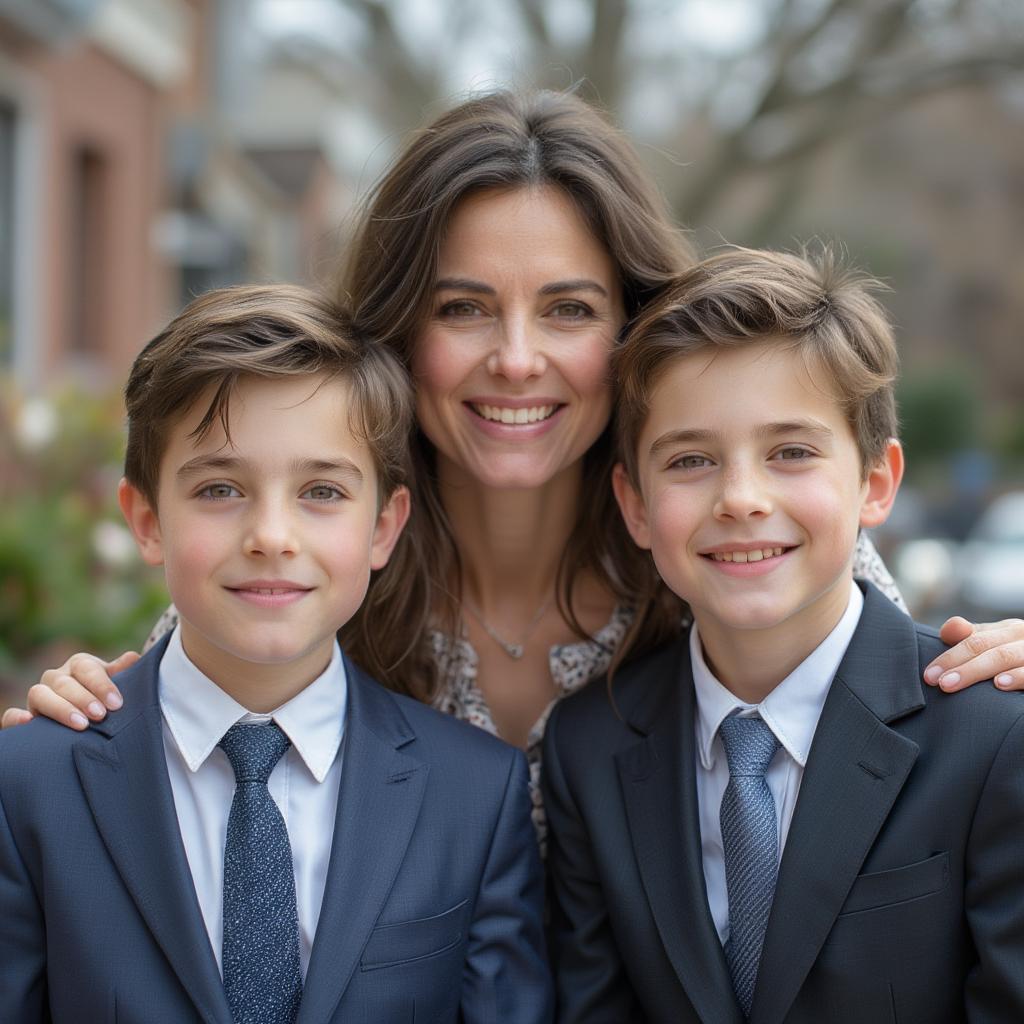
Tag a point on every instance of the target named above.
point(304, 783)
point(791, 711)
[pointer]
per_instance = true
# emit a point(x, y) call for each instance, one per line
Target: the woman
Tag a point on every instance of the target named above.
point(501, 256)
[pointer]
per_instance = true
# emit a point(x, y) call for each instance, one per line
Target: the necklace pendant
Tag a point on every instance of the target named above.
point(513, 650)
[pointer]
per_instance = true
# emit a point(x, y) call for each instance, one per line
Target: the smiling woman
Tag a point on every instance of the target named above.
point(511, 368)
point(500, 258)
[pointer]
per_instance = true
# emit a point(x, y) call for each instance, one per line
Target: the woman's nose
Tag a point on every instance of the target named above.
point(518, 354)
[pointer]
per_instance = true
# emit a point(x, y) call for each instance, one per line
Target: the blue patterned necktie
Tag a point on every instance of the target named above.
point(751, 845)
point(262, 978)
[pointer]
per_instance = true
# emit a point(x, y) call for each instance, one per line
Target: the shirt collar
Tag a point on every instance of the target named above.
point(793, 708)
point(198, 712)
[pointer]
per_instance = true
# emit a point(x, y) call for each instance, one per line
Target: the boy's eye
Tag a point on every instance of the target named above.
point(792, 454)
point(219, 491)
point(323, 492)
point(690, 462)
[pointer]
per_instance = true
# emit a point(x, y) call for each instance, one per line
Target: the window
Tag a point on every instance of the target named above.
point(88, 249)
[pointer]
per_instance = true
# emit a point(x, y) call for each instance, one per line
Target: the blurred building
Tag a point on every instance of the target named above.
point(136, 172)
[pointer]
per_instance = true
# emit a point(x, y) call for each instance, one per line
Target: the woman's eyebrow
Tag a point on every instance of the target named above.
point(582, 284)
point(463, 284)
point(467, 284)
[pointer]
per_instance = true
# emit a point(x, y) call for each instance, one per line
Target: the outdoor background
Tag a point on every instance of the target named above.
point(151, 149)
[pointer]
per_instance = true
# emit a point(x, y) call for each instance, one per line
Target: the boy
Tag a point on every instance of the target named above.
point(709, 862)
point(264, 833)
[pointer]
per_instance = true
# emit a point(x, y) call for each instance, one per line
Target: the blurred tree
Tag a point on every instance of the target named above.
point(760, 85)
point(940, 413)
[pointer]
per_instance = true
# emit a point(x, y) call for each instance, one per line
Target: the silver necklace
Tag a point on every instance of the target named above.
point(514, 649)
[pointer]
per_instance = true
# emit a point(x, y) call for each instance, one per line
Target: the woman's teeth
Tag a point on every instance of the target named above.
point(746, 556)
point(501, 414)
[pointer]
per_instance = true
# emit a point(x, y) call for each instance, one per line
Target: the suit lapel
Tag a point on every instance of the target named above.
point(379, 801)
point(856, 770)
point(658, 779)
point(129, 794)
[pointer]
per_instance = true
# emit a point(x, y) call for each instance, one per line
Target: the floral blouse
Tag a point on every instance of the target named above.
point(571, 666)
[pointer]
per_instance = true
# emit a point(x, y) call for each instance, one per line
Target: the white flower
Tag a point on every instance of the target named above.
point(37, 424)
point(113, 544)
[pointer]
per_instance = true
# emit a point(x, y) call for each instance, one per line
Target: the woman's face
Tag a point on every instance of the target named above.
point(511, 366)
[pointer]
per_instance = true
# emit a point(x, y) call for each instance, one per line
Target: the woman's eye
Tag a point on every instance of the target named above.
point(461, 308)
point(323, 492)
point(571, 310)
point(218, 492)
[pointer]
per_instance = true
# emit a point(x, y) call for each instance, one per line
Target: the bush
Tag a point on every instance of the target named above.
point(70, 577)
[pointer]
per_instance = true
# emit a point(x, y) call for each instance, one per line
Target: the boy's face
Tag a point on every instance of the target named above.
point(267, 542)
point(751, 490)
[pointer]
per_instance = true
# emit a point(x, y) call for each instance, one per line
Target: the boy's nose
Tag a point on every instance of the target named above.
point(271, 532)
point(517, 355)
point(742, 494)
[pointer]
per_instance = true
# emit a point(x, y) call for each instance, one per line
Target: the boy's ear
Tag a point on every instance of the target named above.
point(632, 507)
point(142, 520)
point(390, 521)
point(883, 481)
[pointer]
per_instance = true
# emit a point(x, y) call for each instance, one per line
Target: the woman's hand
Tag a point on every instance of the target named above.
point(76, 692)
point(984, 650)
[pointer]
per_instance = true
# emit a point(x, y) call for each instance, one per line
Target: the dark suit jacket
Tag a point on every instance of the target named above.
point(900, 894)
point(432, 909)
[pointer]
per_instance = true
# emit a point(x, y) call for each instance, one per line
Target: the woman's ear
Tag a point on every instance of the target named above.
point(881, 485)
point(632, 506)
point(142, 520)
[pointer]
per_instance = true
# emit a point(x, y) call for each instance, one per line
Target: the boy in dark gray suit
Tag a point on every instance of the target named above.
point(772, 819)
point(264, 834)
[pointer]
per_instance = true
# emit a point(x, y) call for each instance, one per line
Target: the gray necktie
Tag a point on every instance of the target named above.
point(751, 844)
point(262, 978)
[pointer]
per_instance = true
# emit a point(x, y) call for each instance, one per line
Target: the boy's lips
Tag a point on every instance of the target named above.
point(270, 593)
point(747, 559)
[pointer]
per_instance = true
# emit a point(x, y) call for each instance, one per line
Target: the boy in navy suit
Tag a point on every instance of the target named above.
point(771, 819)
point(264, 834)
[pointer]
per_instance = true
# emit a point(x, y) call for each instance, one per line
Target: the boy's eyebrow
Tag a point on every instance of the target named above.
point(206, 463)
point(672, 438)
point(467, 284)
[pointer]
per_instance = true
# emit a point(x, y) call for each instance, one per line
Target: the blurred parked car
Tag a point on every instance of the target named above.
point(991, 561)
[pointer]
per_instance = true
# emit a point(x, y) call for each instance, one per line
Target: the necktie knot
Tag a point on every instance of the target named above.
point(749, 745)
point(254, 750)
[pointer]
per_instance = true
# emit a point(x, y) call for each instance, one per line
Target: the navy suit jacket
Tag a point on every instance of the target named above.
point(432, 910)
point(900, 895)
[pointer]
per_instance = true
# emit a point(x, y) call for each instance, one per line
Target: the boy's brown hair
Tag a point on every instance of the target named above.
point(739, 297)
point(262, 331)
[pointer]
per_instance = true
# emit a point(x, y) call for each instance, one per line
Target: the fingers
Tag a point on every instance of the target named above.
point(990, 651)
point(79, 690)
point(15, 716)
point(956, 629)
point(119, 664)
point(42, 700)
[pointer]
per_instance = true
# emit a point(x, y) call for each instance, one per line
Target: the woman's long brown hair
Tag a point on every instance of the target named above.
point(500, 140)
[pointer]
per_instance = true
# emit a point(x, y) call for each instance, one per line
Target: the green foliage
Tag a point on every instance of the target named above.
point(940, 414)
point(69, 575)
